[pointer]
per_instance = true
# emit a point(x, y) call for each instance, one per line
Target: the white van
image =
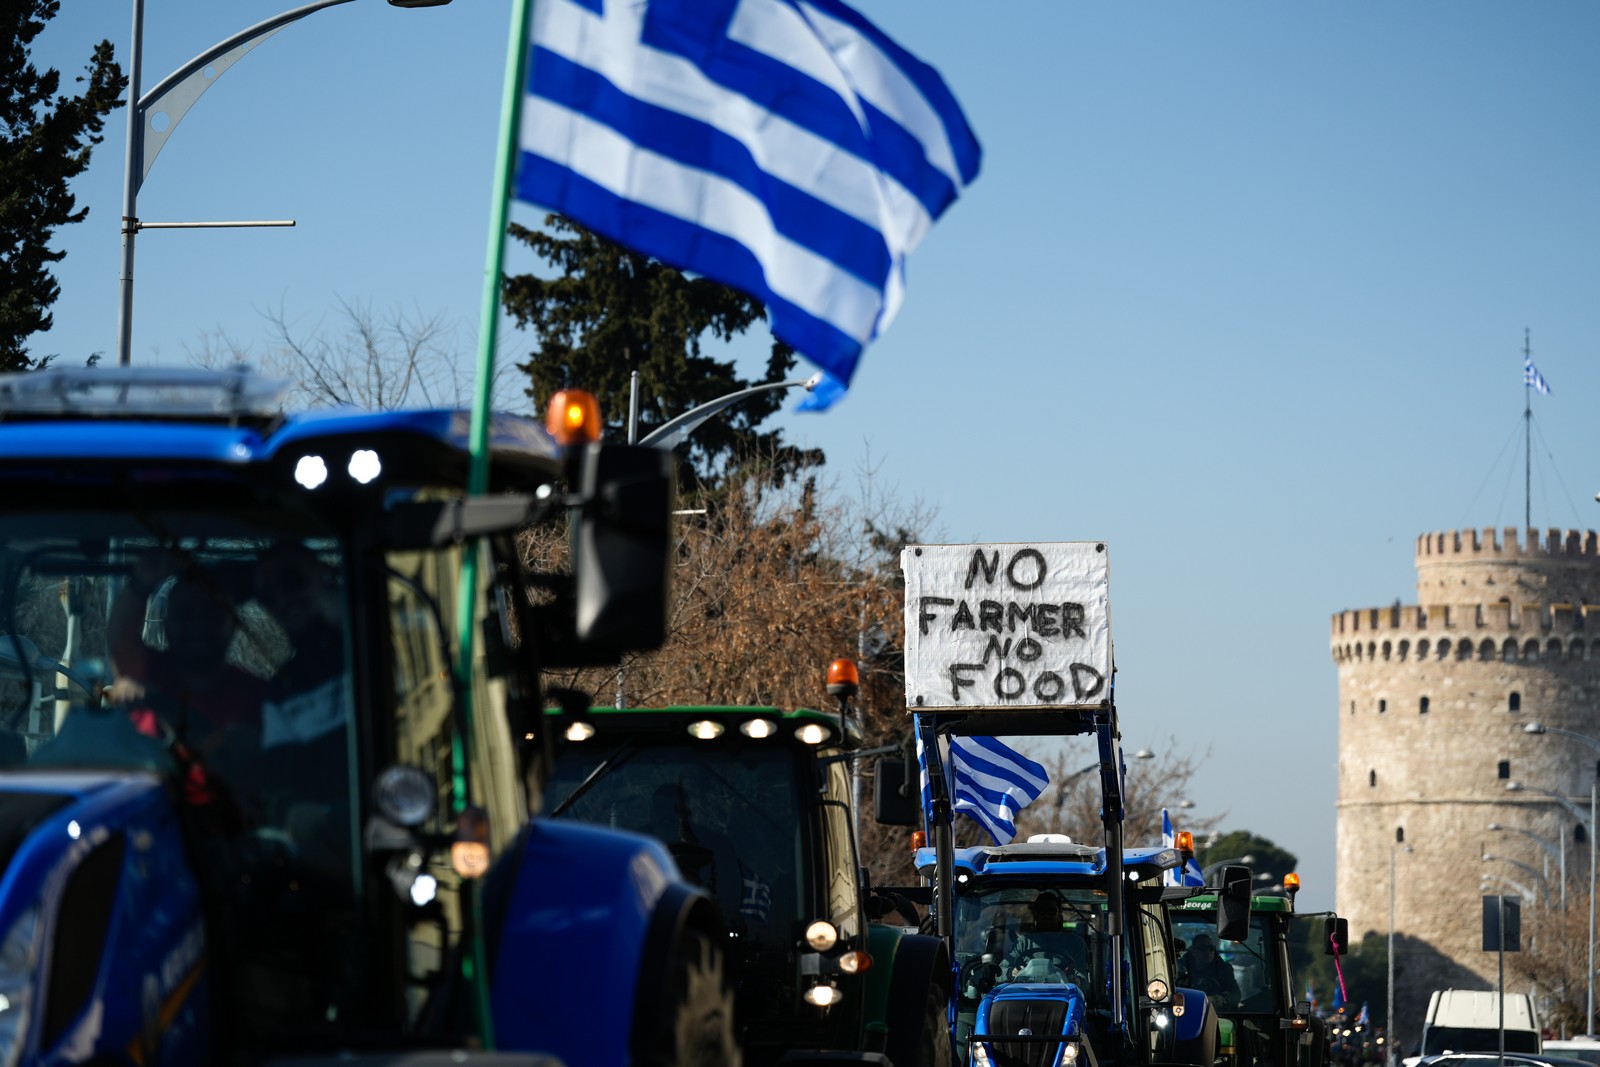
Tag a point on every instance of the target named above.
point(1468, 1020)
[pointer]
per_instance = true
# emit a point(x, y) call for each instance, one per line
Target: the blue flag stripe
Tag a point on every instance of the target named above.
point(1002, 830)
point(963, 145)
point(852, 244)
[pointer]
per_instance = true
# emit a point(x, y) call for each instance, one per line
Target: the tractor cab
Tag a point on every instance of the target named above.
point(261, 800)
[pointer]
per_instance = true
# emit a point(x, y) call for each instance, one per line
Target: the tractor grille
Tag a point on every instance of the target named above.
point(1041, 1018)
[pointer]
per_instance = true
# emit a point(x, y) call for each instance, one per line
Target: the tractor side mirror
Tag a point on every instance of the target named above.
point(1335, 936)
point(892, 803)
point(621, 549)
point(1233, 904)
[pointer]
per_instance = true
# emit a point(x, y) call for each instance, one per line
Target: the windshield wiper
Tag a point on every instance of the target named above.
point(606, 766)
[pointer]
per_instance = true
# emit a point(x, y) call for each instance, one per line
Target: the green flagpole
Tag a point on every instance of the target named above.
point(473, 959)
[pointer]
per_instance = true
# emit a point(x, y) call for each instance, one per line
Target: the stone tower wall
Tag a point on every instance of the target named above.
point(1432, 698)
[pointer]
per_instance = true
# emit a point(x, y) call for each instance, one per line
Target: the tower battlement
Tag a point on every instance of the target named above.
point(1511, 543)
point(1498, 616)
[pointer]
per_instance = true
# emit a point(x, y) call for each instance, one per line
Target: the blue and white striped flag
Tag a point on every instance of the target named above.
point(784, 147)
point(1531, 376)
point(991, 782)
point(1190, 874)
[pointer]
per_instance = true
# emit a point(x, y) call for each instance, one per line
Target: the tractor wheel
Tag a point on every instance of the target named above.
point(697, 1023)
point(934, 1047)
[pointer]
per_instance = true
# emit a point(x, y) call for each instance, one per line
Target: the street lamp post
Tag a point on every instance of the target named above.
point(1558, 849)
point(1388, 1012)
point(1489, 878)
point(1063, 790)
point(171, 98)
point(675, 429)
point(1542, 881)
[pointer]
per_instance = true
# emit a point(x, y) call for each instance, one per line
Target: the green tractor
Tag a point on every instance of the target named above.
point(755, 805)
point(1256, 993)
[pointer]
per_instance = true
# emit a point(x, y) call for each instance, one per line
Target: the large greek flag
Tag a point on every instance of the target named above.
point(991, 782)
point(784, 147)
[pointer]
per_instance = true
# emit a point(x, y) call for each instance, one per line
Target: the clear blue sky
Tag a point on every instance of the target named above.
point(1241, 291)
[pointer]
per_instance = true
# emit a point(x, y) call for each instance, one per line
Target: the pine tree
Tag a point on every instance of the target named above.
point(45, 140)
point(609, 311)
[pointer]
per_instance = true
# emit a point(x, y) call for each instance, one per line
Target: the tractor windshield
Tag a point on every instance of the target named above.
point(1021, 933)
point(211, 649)
point(1238, 976)
point(730, 816)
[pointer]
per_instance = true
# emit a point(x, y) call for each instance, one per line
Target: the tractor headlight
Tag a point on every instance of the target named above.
point(823, 996)
point(18, 954)
point(980, 1055)
point(1069, 1055)
point(822, 935)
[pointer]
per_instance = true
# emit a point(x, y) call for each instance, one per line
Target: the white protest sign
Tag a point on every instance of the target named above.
point(1008, 626)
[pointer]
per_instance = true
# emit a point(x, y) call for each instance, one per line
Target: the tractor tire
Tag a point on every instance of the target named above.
point(934, 1045)
point(697, 1021)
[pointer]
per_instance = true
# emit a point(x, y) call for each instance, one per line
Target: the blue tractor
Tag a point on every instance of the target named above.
point(1095, 980)
point(263, 797)
point(1034, 954)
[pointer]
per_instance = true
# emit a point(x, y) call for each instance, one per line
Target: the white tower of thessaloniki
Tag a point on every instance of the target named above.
point(1434, 703)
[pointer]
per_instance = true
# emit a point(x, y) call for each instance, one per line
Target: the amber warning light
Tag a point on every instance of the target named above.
point(1291, 883)
point(1185, 842)
point(573, 417)
point(843, 677)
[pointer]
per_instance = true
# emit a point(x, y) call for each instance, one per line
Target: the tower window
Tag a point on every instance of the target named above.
point(1515, 703)
point(1579, 834)
point(1505, 768)
point(1399, 835)
point(1372, 778)
point(1352, 707)
point(1383, 706)
point(1422, 706)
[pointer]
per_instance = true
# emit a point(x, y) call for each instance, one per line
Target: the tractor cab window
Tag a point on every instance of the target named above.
point(1238, 976)
point(211, 648)
point(1032, 934)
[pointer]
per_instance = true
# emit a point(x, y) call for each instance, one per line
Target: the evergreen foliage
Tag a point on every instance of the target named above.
point(45, 140)
point(609, 311)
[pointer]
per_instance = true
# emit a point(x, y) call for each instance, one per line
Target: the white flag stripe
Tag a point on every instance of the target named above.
point(879, 79)
point(610, 160)
point(610, 46)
